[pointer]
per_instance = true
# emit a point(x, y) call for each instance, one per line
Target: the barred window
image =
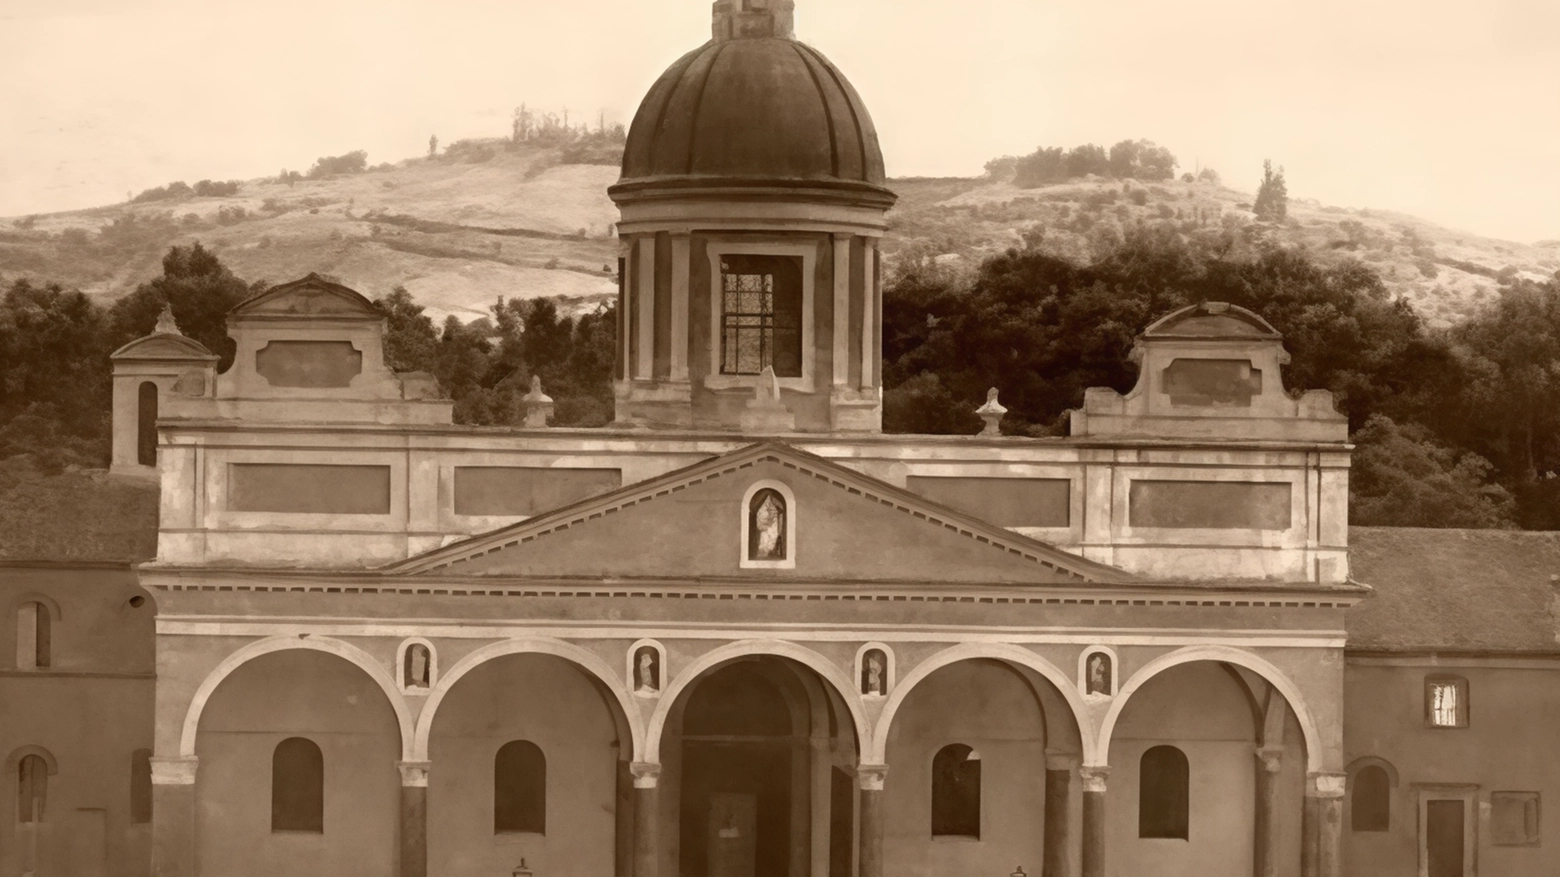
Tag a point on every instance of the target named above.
point(1446, 701)
point(761, 315)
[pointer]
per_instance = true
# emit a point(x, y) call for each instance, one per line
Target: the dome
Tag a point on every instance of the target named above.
point(753, 108)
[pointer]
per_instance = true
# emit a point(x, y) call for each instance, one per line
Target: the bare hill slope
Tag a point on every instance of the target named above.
point(461, 230)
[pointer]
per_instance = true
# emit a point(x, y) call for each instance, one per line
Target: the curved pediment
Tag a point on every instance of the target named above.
point(310, 297)
point(1212, 320)
point(164, 346)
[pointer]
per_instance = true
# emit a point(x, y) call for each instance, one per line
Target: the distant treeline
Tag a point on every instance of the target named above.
point(1141, 160)
point(181, 189)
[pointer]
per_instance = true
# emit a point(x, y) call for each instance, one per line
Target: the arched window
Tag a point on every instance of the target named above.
point(146, 425)
point(956, 792)
point(767, 526)
point(1164, 794)
point(33, 636)
point(297, 786)
point(1370, 806)
point(520, 789)
point(32, 788)
point(140, 787)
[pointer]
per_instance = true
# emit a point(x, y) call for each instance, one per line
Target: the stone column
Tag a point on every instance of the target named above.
point(1093, 778)
point(414, 818)
point(1265, 844)
point(1056, 861)
point(681, 255)
point(644, 310)
point(1323, 825)
point(173, 816)
point(869, 777)
point(647, 856)
point(842, 308)
point(822, 803)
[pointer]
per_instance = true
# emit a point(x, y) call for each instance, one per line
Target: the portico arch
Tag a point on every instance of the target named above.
point(577, 655)
point(356, 656)
point(1065, 687)
point(1222, 654)
point(826, 669)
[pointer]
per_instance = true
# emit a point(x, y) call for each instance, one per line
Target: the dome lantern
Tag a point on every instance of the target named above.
point(752, 200)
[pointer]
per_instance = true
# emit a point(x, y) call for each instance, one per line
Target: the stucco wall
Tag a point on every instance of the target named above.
point(1507, 746)
point(90, 710)
point(523, 697)
point(329, 701)
point(989, 707)
point(1200, 709)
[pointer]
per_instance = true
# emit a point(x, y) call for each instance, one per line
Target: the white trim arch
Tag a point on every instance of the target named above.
point(587, 661)
point(346, 651)
point(826, 669)
point(780, 487)
point(400, 666)
point(1228, 655)
point(1065, 685)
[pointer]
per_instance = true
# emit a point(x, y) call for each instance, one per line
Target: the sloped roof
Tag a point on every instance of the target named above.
point(89, 517)
point(1455, 590)
point(163, 346)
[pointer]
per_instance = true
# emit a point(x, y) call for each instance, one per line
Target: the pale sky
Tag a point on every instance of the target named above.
point(1447, 110)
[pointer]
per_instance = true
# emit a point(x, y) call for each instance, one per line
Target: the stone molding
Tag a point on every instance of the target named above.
point(414, 774)
point(647, 774)
point(870, 777)
point(178, 771)
point(1094, 777)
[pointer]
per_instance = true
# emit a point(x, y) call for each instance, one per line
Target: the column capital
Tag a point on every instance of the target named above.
point(647, 774)
point(844, 235)
point(414, 774)
point(870, 776)
point(176, 771)
point(1270, 758)
point(1325, 785)
point(1094, 777)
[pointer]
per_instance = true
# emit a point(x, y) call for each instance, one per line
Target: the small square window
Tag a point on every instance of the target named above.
point(1514, 819)
point(1446, 702)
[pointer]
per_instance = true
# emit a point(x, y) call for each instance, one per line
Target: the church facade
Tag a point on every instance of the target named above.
point(742, 632)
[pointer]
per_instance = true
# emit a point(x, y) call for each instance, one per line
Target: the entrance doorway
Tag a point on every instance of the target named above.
point(759, 743)
point(1446, 831)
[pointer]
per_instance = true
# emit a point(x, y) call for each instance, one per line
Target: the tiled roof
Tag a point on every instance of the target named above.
point(1455, 590)
point(78, 516)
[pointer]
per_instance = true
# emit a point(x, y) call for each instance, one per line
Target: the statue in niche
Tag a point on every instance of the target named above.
point(418, 664)
point(766, 526)
point(873, 666)
point(1097, 669)
point(647, 671)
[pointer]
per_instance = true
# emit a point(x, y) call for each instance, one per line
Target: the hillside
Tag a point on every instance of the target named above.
point(458, 232)
point(461, 230)
point(1444, 273)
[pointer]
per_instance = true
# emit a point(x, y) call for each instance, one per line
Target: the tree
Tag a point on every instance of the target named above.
point(1402, 477)
point(411, 342)
point(433, 145)
point(199, 289)
point(54, 377)
point(1272, 202)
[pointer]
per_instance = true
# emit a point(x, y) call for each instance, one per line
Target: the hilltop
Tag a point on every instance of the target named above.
point(472, 225)
point(1444, 273)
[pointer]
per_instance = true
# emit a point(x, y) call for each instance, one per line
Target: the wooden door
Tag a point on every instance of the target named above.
point(1445, 841)
point(733, 835)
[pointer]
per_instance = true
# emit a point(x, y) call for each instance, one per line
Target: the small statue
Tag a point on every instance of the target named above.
point(991, 412)
point(538, 405)
point(873, 685)
point(166, 325)
point(646, 677)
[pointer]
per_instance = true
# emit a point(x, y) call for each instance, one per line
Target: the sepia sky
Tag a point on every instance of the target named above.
point(1447, 110)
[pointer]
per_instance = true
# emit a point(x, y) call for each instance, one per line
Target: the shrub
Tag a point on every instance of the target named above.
point(332, 165)
point(209, 189)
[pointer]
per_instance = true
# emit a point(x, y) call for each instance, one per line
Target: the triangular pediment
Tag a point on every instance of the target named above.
point(313, 296)
point(699, 523)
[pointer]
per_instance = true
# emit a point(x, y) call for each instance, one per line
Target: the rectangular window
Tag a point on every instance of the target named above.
point(761, 315)
point(1446, 702)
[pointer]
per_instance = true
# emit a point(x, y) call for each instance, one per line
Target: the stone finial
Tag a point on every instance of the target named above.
point(991, 412)
point(754, 19)
point(766, 412)
point(166, 325)
point(538, 405)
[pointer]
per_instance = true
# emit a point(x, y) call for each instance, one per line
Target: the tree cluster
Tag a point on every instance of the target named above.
point(1454, 428)
point(354, 162)
point(1141, 160)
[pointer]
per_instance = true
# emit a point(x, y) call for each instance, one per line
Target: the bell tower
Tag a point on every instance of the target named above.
point(752, 201)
